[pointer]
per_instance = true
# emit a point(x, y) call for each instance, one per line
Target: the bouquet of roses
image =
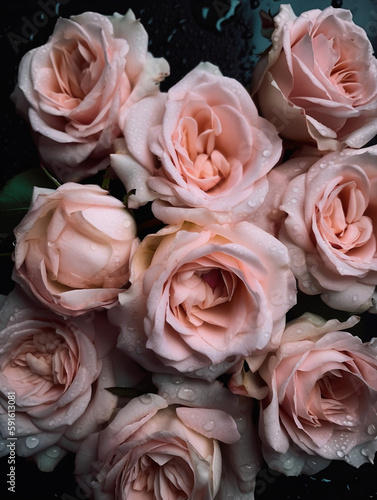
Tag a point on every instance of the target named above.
point(153, 327)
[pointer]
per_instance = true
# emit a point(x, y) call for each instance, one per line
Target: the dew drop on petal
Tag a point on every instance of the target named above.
point(176, 379)
point(288, 464)
point(53, 452)
point(32, 442)
point(340, 453)
point(247, 471)
point(146, 399)
point(208, 426)
point(186, 393)
point(371, 430)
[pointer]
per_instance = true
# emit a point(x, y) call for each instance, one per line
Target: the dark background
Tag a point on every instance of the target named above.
point(180, 32)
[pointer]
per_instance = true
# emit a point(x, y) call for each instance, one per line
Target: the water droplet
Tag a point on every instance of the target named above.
point(266, 153)
point(208, 426)
point(247, 471)
point(176, 379)
point(32, 442)
point(371, 430)
point(294, 200)
point(53, 452)
point(364, 452)
point(126, 223)
point(288, 464)
point(340, 453)
point(355, 298)
point(93, 246)
point(51, 422)
point(146, 399)
point(186, 393)
point(50, 244)
point(12, 318)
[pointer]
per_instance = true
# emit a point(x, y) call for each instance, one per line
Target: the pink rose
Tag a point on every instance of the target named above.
point(321, 402)
point(203, 298)
point(56, 371)
point(168, 448)
point(214, 149)
point(331, 226)
point(318, 82)
point(73, 248)
point(72, 89)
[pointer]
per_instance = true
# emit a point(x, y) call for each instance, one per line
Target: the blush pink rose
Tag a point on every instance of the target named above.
point(73, 248)
point(157, 447)
point(203, 298)
point(321, 401)
point(57, 371)
point(214, 150)
point(72, 89)
point(318, 82)
point(330, 228)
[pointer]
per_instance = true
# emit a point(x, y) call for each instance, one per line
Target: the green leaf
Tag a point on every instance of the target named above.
point(15, 199)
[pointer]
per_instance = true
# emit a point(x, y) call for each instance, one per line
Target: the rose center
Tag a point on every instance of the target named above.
point(71, 61)
point(342, 219)
point(160, 468)
point(201, 162)
point(41, 357)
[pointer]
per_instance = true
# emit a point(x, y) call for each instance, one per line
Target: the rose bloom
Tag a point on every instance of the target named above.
point(202, 298)
point(330, 228)
point(57, 371)
point(73, 248)
point(171, 447)
point(321, 398)
point(213, 146)
point(72, 89)
point(318, 83)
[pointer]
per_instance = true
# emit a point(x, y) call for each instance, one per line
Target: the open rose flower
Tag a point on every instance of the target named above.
point(331, 227)
point(72, 89)
point(203, 298)
point(73, 248)
point(321, 401)
point(318, 82)
point(214, 149)
point(167, 447)
point(57, 371)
